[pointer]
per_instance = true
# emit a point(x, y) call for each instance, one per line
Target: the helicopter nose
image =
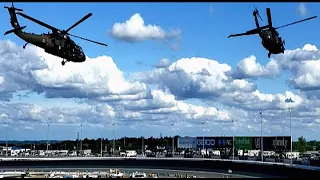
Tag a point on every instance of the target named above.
point(82, 57)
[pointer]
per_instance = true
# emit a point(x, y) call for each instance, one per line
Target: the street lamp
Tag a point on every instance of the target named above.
point(289, 100)
point(81, 139)
point(233, 144)
point(101, 145)
point(6, 138)
point(142, 142)
point(261, 137)
point(290, 136)
point(48, 126)
point(113, 139)
point(172, 140)
point(203, 122)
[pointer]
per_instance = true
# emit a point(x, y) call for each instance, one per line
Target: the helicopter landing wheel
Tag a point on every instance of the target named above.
point(269, 54)
point(63, 63)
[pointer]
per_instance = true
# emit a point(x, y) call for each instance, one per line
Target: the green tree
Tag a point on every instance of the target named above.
point(302, 144)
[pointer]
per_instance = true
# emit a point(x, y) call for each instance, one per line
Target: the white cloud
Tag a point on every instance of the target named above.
point(249, 68)
point(164, 63)
point(160, 96)
point(302, 9)
point(135, 30)
point(1, 80)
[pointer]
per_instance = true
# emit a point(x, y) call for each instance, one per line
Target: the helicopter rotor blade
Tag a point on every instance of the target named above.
point(80, 21)
point(102, 44)
point(297, 22)
point(269, 17)
point(39, 22)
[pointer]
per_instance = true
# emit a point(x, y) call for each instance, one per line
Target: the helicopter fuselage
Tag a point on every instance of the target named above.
point(272, 41)
point(55, 44)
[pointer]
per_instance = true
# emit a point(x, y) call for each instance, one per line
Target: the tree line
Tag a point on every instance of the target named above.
point(133, 143)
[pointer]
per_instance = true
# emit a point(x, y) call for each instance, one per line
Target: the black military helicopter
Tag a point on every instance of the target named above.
point(57, 43)
point(269, 35)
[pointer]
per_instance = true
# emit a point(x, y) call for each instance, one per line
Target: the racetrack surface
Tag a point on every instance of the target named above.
point(162, 172)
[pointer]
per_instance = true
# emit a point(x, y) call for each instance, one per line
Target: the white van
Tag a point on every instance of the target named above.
point(131, 153)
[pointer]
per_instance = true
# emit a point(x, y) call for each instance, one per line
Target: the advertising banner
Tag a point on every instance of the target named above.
point(223, 142)
point(209, 142)
point(243, 143)
point(187, 142)
point(215, 142)
point(277, 143)
point(273, 143)
point(256, 143)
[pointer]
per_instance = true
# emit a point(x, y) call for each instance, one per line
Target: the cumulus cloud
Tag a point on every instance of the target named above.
point(164, 63)
point(135, 30)
point(185, 92)
point(302, 9)
point(41, 73)
point(250, 68)
point(196, 78)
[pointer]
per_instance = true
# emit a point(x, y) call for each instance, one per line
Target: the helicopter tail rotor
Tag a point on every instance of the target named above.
point(16, 29)
point(256, 11)
point(12, 7)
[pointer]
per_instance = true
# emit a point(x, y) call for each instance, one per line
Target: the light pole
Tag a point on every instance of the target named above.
point(261, 137)
point(233, 144)
point(142, 142)
point(48, 127)
point(290, 136)
point(113, 139)
point(101, 145)
point(172, 140)
point(81, 139)
point(203, 122)
point(6, 138)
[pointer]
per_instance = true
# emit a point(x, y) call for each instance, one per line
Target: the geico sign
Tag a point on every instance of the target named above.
point(207, 142)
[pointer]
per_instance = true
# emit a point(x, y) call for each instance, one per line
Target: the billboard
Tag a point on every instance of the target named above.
point(214, 142)
point(243, 143)
point(187, 142)
point(209, 142)
point(277, 143)
point(223, 142)
point(272, 143)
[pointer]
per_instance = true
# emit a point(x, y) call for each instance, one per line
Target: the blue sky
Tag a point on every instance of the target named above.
point(201, 32)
